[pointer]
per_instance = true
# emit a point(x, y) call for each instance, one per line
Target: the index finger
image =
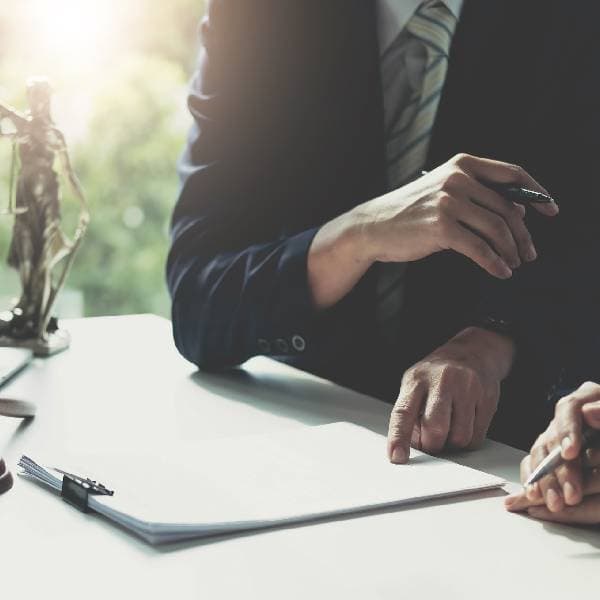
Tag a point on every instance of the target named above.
point(496, 171)
point(403, 418)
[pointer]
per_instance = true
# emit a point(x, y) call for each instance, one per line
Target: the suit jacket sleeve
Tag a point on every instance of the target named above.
point(236, 270)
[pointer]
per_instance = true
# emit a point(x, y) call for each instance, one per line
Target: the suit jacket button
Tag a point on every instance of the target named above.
point(282, 346)
point(264, 346)
point(299, 343)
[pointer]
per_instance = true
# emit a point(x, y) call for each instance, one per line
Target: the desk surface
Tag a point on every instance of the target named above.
point(122, 383)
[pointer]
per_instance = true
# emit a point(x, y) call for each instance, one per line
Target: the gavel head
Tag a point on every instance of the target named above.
point(39, 94)
point(6, 480)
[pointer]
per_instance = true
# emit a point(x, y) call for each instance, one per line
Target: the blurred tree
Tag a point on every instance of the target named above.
point(125, 126)
point(127, 164)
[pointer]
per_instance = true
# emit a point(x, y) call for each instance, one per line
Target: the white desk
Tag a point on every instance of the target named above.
point(122, 383)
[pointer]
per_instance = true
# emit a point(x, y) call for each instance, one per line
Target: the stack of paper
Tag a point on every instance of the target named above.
point(231, 485)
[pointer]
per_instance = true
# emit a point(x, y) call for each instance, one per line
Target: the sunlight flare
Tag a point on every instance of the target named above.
point(75, 33)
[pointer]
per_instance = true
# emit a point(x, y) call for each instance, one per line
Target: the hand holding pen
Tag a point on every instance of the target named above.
point(569, 492)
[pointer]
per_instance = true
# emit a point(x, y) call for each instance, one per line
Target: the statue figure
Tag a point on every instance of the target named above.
point(39, 250)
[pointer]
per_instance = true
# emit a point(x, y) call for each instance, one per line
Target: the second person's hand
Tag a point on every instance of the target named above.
point(572, 493)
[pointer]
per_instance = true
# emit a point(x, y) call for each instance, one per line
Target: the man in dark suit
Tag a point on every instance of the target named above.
point(300, 187)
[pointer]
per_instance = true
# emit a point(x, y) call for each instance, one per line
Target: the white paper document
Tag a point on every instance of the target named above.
point(238, 484)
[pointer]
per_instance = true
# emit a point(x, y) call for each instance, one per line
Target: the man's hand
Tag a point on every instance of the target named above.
point(572, 493)
point(450, 208)
point(450, 397)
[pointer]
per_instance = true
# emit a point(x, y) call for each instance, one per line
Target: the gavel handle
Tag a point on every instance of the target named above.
point(19, 409)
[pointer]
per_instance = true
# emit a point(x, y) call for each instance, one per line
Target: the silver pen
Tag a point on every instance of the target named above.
point(590, 438)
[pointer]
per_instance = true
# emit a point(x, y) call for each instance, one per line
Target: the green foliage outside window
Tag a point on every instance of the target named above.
point(125, 119)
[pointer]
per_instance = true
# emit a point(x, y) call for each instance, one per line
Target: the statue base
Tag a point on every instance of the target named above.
point(17, 332)
point(55, 342)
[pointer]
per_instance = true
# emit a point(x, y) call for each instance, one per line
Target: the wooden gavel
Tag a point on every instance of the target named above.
point(6, 479)
point(19, 409)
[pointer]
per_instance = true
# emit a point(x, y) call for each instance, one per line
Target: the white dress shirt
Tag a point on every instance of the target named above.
point(393, 15)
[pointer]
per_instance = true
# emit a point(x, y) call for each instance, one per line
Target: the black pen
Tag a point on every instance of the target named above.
point(520, 195)
point(590, 438)
point(514, 193)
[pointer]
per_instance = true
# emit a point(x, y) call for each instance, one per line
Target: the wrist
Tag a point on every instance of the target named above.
point(336, 260)
point(493, 352)
point(362, 231)
point(351, 241)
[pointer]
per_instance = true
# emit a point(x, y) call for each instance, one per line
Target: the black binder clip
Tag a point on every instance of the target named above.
point(77, 490)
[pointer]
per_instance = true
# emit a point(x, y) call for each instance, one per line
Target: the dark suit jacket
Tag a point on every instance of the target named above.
point(288, 134)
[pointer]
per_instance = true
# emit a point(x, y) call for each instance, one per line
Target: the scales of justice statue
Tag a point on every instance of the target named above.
point(39, 250)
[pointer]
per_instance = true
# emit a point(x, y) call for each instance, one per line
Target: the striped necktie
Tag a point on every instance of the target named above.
point(432, 27)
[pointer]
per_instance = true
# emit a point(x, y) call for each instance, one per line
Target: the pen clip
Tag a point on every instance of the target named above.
point(76, 490)
point(92, 486)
